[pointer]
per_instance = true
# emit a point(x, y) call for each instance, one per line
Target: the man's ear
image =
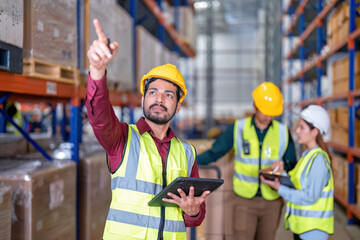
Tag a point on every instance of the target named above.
point(142, 101)
point(178, 107)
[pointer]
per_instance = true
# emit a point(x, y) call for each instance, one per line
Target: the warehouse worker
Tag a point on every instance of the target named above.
point(310, 206)
point(145, 157)
point(259, 142)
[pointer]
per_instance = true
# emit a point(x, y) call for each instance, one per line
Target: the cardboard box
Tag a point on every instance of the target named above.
point(340, 136)
point(95, 196)
point(341, 128)
point(44, 140)
point(150, 53)
point(117, 25)
point(357, 184)
point(342, 85)
point(12, 22)
point(11, 144)
point(44, 198)
point(333, 116)
point(5, 212)
point(333, 23)
point(50, 31)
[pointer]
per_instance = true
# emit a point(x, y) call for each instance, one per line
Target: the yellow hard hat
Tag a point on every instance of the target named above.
point(167, 72)
point(268, 99)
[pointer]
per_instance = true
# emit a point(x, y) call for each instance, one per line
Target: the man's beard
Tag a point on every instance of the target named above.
point(156, 119)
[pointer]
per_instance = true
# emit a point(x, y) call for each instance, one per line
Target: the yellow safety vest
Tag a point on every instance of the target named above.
point(320, 215)
point(138, 179)
point(246, 166)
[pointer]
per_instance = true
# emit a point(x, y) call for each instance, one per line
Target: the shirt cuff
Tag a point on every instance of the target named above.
point(96, 87)
point(194, 218)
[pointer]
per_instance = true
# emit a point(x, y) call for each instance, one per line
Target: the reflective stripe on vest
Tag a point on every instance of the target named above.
point(246, 166)
point(137, 181)
point(319, 215)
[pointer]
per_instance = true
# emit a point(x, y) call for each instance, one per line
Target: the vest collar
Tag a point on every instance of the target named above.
point(253, 123)
point(143, 127)
point(308, 150)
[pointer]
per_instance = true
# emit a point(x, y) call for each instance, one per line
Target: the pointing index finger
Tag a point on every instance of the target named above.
point(99, 30)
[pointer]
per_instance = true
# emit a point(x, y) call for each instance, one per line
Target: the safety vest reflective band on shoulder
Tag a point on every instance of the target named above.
point(137, 181)
point(247, 163)
point(320, 215)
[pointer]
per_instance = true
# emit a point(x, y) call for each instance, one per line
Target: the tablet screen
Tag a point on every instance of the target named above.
point(200, 185)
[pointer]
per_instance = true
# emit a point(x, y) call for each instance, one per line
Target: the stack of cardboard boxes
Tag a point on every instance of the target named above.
point(340, 74)
point(338, 25)
point(339, 119)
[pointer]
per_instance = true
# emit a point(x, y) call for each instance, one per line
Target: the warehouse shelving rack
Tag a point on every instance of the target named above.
point(307, 70)
point(46, 90)
point(17, 87)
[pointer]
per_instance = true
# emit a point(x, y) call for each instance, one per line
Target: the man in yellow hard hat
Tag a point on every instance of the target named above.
point(259, 142)
point(144, 157)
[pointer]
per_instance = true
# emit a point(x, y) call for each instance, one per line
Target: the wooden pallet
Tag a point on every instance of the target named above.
point(51, 71)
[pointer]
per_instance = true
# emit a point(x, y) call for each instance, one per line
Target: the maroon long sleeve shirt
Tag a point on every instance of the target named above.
point(112, 134)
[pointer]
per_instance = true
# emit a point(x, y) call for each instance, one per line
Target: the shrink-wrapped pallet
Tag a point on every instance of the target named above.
point(50, 31)
point(95, 196)
point(11, 144)
point(12, 22)
point(95, 186)
point(44, 198)
point(149, 53)
point(5, 212)
point(117, 26)
point(45, 140)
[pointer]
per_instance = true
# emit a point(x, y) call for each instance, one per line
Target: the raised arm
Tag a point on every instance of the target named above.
point(100, 53)
point(107, 128)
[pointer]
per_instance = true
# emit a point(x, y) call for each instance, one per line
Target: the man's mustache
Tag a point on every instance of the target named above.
point(159, 105)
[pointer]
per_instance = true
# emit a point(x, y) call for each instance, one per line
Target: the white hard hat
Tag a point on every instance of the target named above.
point(317, 116)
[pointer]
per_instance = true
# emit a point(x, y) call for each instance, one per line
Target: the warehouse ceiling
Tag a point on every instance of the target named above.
point(227, 15)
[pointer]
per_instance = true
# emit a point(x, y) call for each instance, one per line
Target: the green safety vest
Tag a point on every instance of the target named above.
point(138, 179)
point(246, 166)
point(320, 215)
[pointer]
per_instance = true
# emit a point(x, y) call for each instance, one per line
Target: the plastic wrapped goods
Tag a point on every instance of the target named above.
point(44, 198)
point(12, 22)
point(5, 212)
point(50, 31)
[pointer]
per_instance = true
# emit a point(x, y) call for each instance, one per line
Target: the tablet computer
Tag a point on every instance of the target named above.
point(285, 180)
point(200, 185)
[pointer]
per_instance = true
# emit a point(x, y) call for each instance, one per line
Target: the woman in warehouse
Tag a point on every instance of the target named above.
point(310, 212)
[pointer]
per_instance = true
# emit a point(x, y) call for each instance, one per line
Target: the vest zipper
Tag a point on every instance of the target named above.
point(162, 220)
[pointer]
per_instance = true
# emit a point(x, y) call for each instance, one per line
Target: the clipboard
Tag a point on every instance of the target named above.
point(200, 185)
point(284, 180)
